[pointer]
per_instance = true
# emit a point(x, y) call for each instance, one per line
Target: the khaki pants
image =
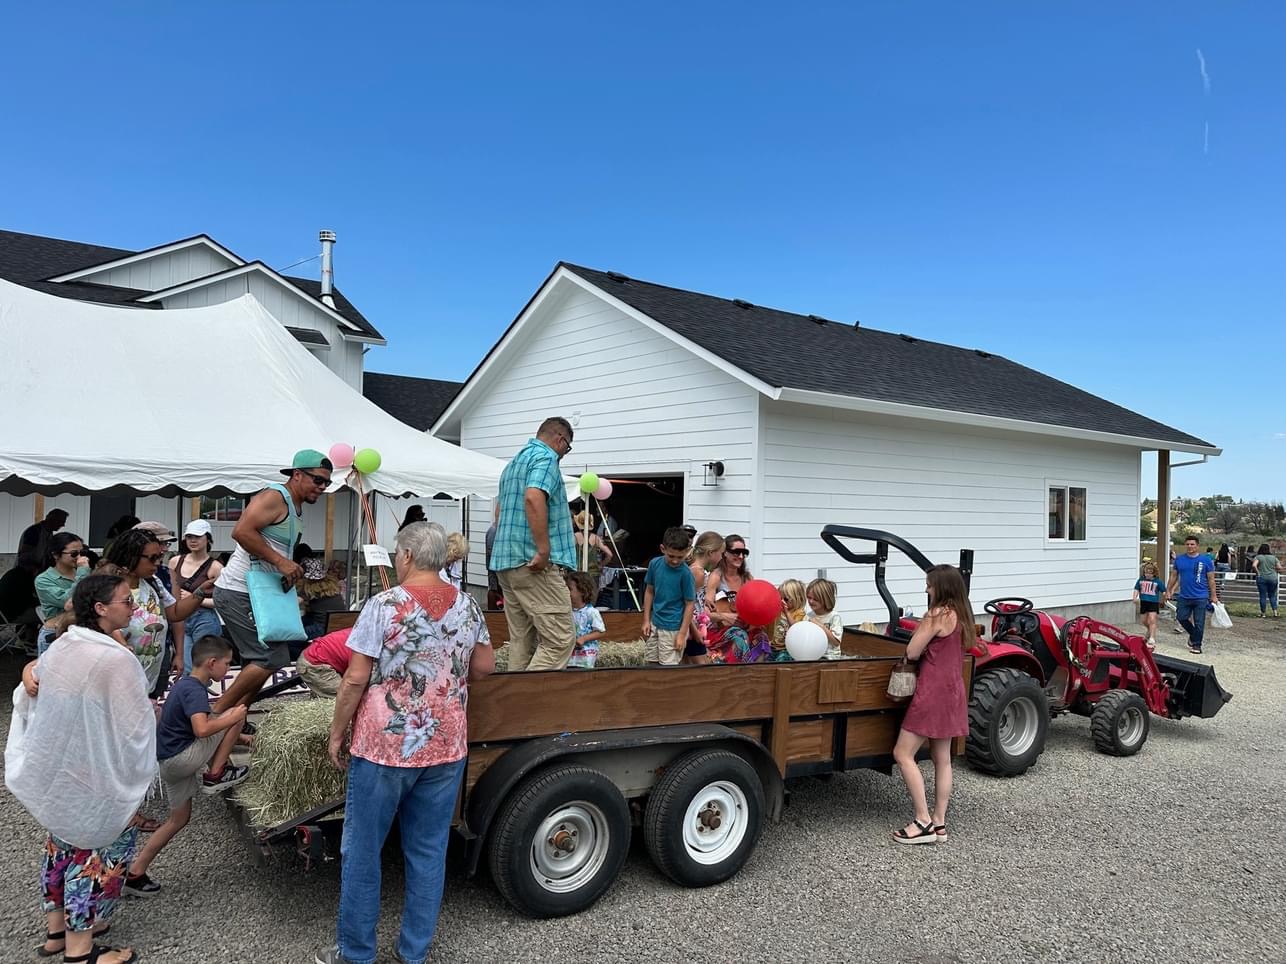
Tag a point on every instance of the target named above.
point(322, 680)
point(538, 608)
point(660, 647)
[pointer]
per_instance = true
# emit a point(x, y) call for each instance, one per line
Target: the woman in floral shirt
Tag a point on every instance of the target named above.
point(139, 554)
point(415, 648)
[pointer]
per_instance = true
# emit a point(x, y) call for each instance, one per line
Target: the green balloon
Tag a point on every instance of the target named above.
point(367, 461)
point(588, 482)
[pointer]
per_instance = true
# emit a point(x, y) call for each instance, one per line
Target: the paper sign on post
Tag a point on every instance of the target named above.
point(376, 556)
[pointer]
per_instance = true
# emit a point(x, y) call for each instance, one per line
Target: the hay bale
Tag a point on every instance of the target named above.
point(611, 655)
point(290, 771)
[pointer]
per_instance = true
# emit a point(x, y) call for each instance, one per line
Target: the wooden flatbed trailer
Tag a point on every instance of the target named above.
point(562, 765)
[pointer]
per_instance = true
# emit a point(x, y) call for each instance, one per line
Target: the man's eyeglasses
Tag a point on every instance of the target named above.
point(155, 558)
point(318, 480)
point(565, 440)
point(739, 552)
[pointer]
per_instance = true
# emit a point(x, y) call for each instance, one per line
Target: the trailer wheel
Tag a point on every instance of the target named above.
point(559, 841)
point(1008, 722)
point(703, 818)
point(1120, 723)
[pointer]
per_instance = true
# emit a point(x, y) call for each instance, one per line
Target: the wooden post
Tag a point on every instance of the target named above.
point(1163, 515)
point(330, 526)
point(194, 508)
point(780, 719)
point(39, 503)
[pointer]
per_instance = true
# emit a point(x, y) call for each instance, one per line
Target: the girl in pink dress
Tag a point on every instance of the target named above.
point(939, 708)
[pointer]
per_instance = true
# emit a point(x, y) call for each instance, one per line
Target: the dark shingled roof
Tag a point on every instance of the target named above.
point(787, 350)
point(28, 259)
point(416, 401)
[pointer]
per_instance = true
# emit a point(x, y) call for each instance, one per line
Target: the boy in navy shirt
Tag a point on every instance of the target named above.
point(188, 737)
point(669, 596)
point(1193, 574)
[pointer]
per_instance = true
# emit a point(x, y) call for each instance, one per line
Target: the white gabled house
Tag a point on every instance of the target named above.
point(192, 272)
point(819, 422)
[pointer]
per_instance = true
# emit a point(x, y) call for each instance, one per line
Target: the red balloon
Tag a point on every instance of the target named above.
point(758, 603)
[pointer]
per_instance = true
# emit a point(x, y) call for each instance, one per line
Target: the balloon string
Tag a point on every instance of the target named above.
point(370, 524)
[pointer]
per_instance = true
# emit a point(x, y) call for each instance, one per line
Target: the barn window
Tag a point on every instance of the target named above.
point(1067, 512)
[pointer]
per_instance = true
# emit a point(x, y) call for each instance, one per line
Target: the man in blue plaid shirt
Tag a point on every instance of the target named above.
point(534, 545)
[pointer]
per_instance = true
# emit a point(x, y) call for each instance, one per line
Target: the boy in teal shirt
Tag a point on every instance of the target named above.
point(669, 596)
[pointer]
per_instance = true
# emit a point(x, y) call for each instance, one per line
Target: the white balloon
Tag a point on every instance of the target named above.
point(806, 641)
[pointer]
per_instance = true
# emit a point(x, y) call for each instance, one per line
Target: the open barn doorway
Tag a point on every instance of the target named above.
point(638, 513)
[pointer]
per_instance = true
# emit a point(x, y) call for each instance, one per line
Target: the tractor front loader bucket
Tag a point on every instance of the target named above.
point(1194, 691)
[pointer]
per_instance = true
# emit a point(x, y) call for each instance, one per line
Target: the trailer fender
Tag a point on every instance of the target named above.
point(527, 757)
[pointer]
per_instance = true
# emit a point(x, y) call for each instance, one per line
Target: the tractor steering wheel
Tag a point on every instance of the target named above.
point(992, 607)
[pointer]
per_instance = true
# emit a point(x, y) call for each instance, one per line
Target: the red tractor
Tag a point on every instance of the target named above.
point(1037, 666)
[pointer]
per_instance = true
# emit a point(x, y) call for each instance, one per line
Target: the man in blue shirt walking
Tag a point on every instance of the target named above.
point(1194, 575)
point(534, 544)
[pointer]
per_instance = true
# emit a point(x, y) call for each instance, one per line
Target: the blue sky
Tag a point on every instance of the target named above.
point(1056, 184)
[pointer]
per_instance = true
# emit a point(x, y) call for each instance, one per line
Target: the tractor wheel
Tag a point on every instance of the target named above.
point(1120, 723)
point(1008, 722)
point(559, 841)
point(703, 817)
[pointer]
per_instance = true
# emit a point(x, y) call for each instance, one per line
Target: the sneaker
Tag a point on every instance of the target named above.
point(1194, 650)
point(230, 776)
point(1179, 629)
point(141, 885)
point(330, 955)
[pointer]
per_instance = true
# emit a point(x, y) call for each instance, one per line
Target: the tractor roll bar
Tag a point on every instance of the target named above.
point(832, 534)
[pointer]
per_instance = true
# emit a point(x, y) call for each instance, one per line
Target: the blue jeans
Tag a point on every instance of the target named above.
point(1191, 614)
point(423, 799)
point(201, 623)
point(1267, 593)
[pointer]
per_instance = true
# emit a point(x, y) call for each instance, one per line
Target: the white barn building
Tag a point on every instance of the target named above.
point(819, 422)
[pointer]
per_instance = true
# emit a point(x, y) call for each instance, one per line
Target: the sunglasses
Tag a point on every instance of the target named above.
point(155, 557)
point(739, 552)
point(72, 552)
point(318, 480)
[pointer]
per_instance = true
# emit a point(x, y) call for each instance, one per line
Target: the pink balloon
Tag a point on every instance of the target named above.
point(341, 455)
point(604, 489)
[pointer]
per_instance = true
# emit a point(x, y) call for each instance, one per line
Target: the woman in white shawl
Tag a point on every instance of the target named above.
point(80, 757)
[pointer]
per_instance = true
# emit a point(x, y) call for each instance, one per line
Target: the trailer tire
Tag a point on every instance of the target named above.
point(1008, 722)
point(1120, 723)
point(703, 817)
point(559, 841)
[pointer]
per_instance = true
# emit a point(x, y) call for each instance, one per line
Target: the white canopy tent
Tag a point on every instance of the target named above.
point(89, 394)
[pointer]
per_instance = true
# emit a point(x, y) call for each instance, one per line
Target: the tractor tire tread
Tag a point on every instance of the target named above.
point(989, 686)
point(1103, 722)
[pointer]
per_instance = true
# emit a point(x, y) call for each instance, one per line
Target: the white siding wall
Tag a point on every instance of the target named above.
point(344, 358)
point(943, 488)
point(18, 512)
point(639, 405)
point(165, 270)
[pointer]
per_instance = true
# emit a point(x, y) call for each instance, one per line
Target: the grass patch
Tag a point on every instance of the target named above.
point(1243, 609)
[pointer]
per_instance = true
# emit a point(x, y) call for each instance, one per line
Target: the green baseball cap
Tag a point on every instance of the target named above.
point(309, 459)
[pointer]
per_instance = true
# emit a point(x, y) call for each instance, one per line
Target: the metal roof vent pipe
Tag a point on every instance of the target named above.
point(327, 239)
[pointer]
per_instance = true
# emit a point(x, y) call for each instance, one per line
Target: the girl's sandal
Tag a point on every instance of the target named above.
point(62, 936)
point(926, 835)
point(98, 951)
point(941, 830)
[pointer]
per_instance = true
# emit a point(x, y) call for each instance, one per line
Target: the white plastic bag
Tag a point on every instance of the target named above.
point(1221, 619)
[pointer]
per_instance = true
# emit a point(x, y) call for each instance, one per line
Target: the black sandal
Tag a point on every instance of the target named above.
point(98, 951)
point(927, 835)
point(62, 936)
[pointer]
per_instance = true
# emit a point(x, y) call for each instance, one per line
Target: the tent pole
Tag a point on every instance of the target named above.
point(39, 507)
point(330, 526)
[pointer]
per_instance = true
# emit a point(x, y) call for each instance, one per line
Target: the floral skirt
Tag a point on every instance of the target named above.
point(85, 883)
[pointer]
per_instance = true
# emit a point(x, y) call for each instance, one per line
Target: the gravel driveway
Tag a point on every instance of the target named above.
point(1173, 855)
